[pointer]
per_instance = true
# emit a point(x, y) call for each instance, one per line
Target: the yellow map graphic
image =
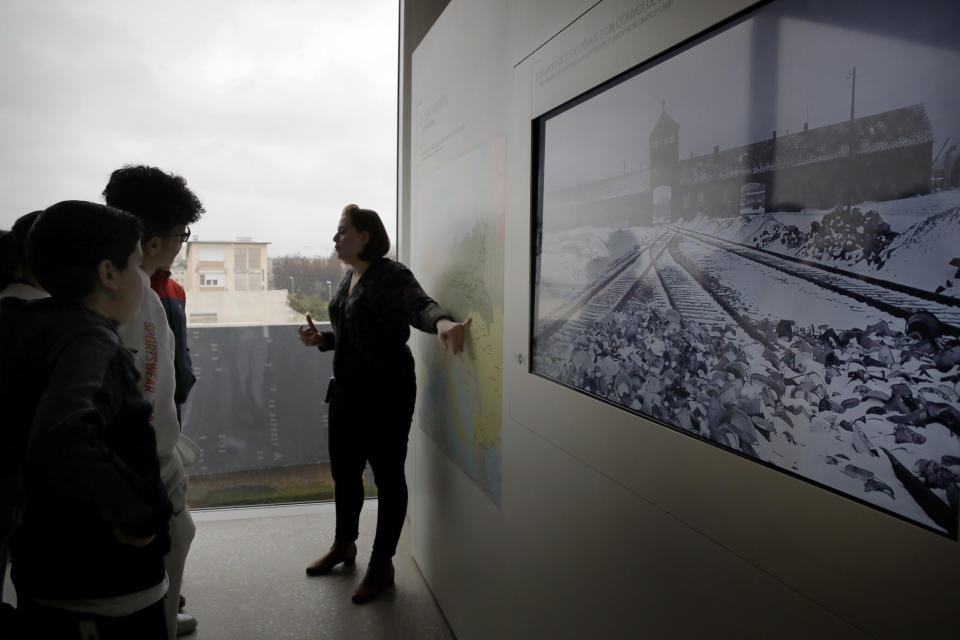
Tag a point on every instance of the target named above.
point(458, 258)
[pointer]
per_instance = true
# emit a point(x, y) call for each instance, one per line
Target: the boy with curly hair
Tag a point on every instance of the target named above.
point(165, 206)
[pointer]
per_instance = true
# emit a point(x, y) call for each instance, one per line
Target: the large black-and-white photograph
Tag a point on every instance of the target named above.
point(755, 240)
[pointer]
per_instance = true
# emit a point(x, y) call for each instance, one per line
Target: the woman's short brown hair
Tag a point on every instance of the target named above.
point(367, 220)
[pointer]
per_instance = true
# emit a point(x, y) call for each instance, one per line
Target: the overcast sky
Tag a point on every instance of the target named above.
point(788, 65)
point(277, 112)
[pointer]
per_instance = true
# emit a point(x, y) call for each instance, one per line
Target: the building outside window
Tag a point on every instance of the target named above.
point(237, 266)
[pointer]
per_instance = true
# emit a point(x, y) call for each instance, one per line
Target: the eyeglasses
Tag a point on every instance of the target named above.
point(183, 236)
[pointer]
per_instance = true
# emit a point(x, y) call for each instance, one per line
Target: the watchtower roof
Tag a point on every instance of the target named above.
point(666, 126)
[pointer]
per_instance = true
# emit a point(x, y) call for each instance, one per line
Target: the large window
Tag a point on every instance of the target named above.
point(245, 100)
point(257, 415)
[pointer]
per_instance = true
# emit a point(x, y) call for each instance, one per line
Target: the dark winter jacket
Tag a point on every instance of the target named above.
point(371, 325)
point(79, 430)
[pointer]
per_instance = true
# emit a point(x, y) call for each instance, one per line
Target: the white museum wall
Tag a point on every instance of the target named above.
point(609, 525)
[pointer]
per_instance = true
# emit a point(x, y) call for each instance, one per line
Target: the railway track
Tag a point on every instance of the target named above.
point(605, 293)
point(698, 301)
point(645, 268)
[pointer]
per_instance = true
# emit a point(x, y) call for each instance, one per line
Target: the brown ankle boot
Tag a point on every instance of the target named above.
point(339, 552)
point(378, 578)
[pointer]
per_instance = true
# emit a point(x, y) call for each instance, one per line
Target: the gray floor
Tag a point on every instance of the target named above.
point(245, 579)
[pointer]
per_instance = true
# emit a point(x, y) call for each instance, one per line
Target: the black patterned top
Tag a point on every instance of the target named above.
point(371, 324)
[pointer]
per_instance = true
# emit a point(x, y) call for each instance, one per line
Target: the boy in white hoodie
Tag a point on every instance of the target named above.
point(165, 206)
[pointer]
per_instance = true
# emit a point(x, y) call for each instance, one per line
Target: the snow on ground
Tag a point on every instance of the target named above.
point(899, 214)
point(927, 228)
point(920, 256)
point(574, 257)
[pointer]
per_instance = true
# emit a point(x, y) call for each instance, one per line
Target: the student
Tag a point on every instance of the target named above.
point(88, 554)
point(16, 281)
point(165, 206)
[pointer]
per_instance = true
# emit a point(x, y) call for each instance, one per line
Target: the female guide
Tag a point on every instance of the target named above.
point(372, 394)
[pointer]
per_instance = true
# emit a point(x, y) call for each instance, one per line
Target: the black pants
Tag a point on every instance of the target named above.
point(57, 624)
point(371, 424)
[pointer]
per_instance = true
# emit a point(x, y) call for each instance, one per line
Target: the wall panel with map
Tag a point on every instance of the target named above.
point(456, 216)
point(459, 260)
